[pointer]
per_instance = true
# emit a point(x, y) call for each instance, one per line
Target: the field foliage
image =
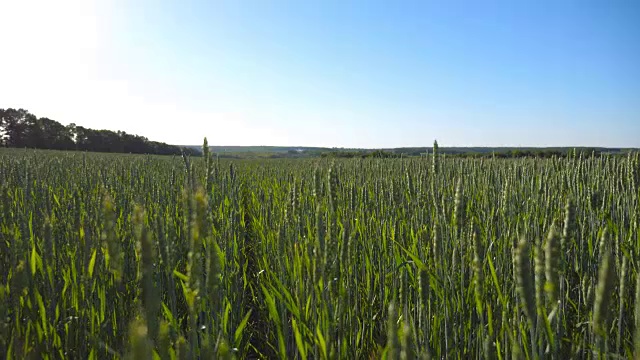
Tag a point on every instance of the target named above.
point(132, 256)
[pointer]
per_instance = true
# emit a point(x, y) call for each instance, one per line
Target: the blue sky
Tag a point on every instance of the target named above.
point(333, 73)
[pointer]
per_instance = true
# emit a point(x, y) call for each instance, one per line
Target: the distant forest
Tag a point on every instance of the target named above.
point(21, 129)
point(469, 153)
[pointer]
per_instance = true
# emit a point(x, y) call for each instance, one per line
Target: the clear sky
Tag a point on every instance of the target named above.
point(330, 73)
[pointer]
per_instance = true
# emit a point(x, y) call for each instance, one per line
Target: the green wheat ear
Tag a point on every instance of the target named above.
point(393, 346)
point(458, 208)
point(604, 290)
point(552, 265)
point(524, 280)
point(140, 344)
point(435, 166)
point(407, 343)
point(568, 230)
point(539, 270)
point(478, 275)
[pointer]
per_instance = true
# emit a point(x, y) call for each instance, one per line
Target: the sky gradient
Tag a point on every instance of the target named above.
point(330, 73)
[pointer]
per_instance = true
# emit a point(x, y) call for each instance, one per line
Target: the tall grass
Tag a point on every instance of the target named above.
point(106, 256)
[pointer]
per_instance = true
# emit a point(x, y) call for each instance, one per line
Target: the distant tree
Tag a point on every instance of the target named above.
point(54, 135)
point(16, 125)
point(19, 128)
point(2, 126)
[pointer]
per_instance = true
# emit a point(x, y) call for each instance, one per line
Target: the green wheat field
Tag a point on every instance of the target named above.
point(106, 256)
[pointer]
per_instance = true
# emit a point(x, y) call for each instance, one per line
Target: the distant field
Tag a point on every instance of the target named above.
point(109, 256)
point(262, 149)
point(302, 151)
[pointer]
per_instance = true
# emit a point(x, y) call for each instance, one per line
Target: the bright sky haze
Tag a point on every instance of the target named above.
point(330, 73)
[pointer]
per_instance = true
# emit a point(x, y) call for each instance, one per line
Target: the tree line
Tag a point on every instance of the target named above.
point(542, 153)
point(503, 154)
point(380, 154)
point(21, 129)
